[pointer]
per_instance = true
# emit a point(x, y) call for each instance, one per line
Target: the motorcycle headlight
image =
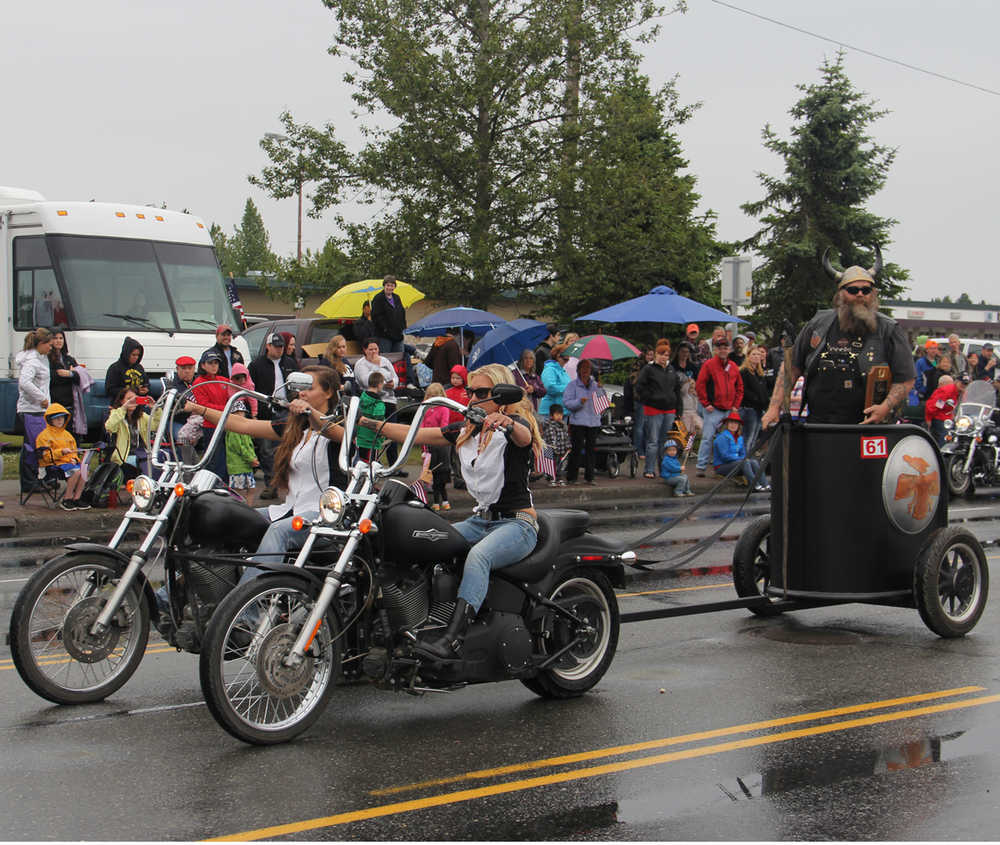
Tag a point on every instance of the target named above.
point(963, 423)
point(143, 491)
point(949, 425)
point(331, 506)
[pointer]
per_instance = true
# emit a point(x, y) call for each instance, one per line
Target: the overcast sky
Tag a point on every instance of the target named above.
point(149, 102)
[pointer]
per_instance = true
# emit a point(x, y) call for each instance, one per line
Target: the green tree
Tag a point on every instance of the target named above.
point(633, 223)
point(250, 245)
point(964, 299)
point(470, 105)
point(223, 249)
point(320, 272)
point(832, 169)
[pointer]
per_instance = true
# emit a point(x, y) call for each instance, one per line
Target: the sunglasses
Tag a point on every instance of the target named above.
point(479, 392)
point(856, 290)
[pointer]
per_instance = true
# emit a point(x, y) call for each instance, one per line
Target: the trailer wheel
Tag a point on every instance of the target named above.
point(951, 582)
point(752, 564)
point(633, 464)
point(614, 465)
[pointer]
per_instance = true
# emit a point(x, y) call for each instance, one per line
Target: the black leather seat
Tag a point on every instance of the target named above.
point(554, 527)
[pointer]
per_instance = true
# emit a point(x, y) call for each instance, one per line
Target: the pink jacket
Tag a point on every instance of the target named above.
point(436, 418)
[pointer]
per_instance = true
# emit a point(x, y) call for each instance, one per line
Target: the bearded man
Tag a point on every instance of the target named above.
point(836, 349)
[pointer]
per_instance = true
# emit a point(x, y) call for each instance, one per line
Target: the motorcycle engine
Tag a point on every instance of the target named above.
point(405, 595)
point(212, 583)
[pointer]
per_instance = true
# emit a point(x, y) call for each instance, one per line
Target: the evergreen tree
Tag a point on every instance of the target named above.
point(832, 169)
point(250, 245)
point(223, 249)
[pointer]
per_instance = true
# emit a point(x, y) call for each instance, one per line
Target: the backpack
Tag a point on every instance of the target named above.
point(102, 483)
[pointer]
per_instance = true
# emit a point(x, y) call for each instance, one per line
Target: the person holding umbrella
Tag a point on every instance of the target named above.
point(658, 387)
point(584, 421)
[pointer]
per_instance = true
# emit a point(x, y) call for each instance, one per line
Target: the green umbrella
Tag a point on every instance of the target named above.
point(603, 347)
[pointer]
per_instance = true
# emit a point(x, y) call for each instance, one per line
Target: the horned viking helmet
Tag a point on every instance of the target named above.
point(855, 273)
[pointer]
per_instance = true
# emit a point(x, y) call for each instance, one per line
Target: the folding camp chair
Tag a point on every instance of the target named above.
point(44, 481)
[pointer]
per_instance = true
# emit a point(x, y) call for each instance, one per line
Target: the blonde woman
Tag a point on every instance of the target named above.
point(335, 357)
point(756, 395)
point(496, 458)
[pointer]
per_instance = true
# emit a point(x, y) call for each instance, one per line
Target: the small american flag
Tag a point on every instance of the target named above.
point(545, 462)
point(234, 300)
point(601, 402)
point(418, 489)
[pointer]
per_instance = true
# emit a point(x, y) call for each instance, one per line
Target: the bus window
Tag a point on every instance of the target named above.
point(196, 285)
point(105, 276)
point(37, 301)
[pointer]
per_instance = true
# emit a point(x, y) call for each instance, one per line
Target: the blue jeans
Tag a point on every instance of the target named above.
point(712, 420)
point(639, 429)
point(750, 469)
point(657, 427)
point(278, 539)
point(497, 543)
point(751, 426)
point(680, 483)
point(385, 345)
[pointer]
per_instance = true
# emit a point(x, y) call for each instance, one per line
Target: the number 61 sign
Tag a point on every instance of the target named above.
point(874, 447)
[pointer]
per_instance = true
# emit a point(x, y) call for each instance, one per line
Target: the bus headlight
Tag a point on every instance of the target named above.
point(331, 506)
point(143, 491)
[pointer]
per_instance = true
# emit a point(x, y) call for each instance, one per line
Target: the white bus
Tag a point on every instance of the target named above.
point(103, 271)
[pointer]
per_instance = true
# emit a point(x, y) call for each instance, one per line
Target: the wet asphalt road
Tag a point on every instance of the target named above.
point(851, 722)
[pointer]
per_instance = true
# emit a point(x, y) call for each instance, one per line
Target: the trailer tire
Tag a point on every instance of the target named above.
point(951, 582)
point(752, 564)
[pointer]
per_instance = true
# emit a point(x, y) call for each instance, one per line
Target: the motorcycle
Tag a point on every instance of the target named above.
point(80, 625)
point(970, 450)
point(275, 646)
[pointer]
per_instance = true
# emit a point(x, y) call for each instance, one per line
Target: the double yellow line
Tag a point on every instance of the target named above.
point(572, 774)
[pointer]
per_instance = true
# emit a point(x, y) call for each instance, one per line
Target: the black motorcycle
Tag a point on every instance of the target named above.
point(971, 451)
point(392, 567)
point(80, 625)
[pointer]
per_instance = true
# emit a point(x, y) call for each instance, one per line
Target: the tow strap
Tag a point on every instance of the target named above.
point(696, 549)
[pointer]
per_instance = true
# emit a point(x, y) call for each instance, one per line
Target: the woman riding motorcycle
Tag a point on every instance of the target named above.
point(496, 458)
point(299, 465)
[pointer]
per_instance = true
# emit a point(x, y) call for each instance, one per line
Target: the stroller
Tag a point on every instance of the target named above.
point(613, 445)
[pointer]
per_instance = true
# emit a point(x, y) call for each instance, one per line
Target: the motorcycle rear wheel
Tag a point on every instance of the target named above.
point(247, 687)
point(50, 641)
point(587, 594)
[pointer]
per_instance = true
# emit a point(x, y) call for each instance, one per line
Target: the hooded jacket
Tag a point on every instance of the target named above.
point(124, 374)
point(241, 370)
point(457, 393)
point(208, 391)
point(33, 382)
point(117, 424)
point(444, 355)
point(54, 439)
point(555, 378)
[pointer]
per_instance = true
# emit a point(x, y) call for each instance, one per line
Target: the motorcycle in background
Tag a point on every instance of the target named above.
point(275, 645)
point(971, 450)
point(80, 625)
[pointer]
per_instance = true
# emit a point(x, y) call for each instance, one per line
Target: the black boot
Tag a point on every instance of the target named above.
point(448, 646)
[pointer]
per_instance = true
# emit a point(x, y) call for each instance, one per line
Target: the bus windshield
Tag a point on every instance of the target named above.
point(175, 287)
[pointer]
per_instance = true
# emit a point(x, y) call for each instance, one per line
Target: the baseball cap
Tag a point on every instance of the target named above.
point(691, 327)
point(721, 341)
point(185, 361)
point(751, 335)
point(211, 356)
point(222, 328)
point(275, 339)
point(931, 344)
point(987, 345)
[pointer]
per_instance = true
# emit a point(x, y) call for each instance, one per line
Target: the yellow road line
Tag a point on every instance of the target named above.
point(727, 585)
point(677, 740)
point(8, 663)
point(594, 771)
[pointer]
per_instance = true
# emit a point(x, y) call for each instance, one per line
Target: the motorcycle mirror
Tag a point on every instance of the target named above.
point(297, 382)
point(507, 394)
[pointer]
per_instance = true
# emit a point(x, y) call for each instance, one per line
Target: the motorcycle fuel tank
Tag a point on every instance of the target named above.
point(413, 534)
point(217, 519)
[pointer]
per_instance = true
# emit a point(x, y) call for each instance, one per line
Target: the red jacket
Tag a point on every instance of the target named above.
point(210, 395)
point(942, 403)
point(458, 393)
point(727, 385)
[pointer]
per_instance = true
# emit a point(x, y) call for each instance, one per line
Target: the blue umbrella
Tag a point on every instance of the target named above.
point(660, 305)
point(504, 344)
point(475, 319)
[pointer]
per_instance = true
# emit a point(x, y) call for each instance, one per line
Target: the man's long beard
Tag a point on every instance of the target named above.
point(856, 317)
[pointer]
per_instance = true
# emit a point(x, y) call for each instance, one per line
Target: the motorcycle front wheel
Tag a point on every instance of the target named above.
point(50, 641)
point(247, 685)
point(959, 481)
point(581, 652)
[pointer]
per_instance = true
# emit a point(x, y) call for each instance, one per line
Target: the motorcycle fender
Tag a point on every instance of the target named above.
point(288, 569)
point(949, 448)
point(120, 558)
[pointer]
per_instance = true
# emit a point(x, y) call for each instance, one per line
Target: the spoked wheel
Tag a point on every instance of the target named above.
point(959, 481)
point(582, 649)
point(633, 464)
point(249, 688)
point(50, 640)
point(752, 564)
point(614, 465)
point(951, 582)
